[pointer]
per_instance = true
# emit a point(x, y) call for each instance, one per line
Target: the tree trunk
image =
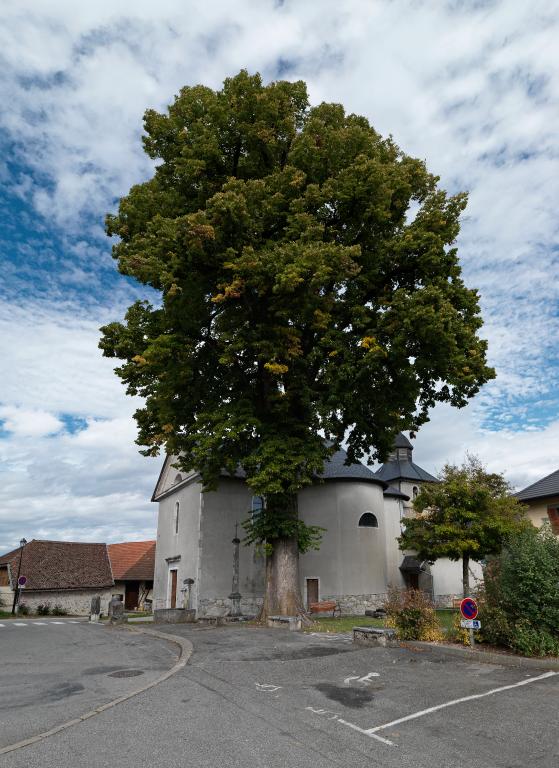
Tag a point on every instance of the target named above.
point(283, 595)
point(466, 575)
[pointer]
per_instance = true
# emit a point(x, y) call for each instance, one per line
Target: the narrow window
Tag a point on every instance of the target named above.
point(178, 478)
point(368, 520)
point(256, 505)
point(177, 509)
point(415, 491)
point(553, 515)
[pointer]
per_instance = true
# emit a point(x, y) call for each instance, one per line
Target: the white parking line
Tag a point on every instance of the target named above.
point(421, 713)
point(57, 622)
point(1, 625)
point(40, 623)
point(19, 624)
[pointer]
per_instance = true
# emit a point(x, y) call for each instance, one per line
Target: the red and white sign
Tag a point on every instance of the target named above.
point(22, 581)
point(468, 608)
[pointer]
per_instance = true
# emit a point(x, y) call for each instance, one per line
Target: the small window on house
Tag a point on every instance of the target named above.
point(414, 491)
point(4, 577)
point(178, 478)
point(368, 520)
point(256, 505)
point(177, 511)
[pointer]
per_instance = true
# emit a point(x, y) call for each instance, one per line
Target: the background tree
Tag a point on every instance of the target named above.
point(299, 294)
point(466, 516)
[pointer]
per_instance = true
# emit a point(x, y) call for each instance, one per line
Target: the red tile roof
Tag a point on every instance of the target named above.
point(133, 560)
point(61, 565)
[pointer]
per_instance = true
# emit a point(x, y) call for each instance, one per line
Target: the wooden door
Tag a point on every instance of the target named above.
point(132, 595)
point(312, 591)
point(173, 589)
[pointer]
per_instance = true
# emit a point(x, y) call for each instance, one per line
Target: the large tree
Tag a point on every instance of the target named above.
point(309, 287)
point(466, 516)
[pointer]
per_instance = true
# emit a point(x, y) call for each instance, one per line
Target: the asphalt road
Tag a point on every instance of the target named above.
point(271, 699)
point(53, 670)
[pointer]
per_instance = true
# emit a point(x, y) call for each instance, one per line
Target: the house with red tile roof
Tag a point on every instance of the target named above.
point(61, 573)
point(133, 564)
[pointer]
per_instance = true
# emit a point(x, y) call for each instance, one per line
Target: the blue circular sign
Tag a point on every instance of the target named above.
point(468, 608)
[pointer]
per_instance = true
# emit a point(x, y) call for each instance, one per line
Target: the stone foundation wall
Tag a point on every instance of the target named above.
point(356, 605)
point(221, 606)
point(445, 601)
point(76, 602)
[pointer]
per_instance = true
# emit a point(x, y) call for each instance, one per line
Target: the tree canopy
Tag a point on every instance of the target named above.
point(468, 515)
point(309, 286)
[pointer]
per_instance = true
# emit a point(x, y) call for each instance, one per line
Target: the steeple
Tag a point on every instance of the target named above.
point(402, 449)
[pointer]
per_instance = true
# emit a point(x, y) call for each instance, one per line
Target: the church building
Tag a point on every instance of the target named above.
point(358, 559)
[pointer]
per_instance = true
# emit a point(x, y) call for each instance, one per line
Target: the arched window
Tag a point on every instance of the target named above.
point(414, 491)
point(178, 478)
point(256, 505)
point(368, 520)
point(177, 510)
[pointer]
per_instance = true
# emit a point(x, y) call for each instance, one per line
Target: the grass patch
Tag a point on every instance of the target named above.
point(445, 617)
point(5, 614)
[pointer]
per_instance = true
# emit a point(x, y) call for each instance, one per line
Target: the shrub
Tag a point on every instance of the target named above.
point(43, 609)
point(456, 633)
point(23, 609)
point(519, 602)
point(412, 614)
point(59, 610)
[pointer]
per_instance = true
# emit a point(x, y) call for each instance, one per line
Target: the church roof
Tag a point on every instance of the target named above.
point(547, 486)
point(400, 465)
point(336, 468)
point(404, 470)
point(402, 441)
point(392, 491)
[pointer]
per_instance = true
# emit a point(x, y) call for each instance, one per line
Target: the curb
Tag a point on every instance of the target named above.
point(485, 657)
point(185, 652)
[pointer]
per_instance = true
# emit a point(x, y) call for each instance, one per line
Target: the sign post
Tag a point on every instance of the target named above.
point(468, 609)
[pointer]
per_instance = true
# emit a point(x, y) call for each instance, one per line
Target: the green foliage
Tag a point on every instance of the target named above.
point(519, 602)
point(297, 295)
point(469, 513)
point(58, 610)
point(43, 609)
point(412, 614)
point(23, 608)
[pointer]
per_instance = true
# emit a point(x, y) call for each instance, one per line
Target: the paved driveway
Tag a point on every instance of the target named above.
point(272, 699)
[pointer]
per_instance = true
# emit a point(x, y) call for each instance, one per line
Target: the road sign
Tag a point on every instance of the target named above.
point(470, 623)
point(22, 581)
point(468, 608)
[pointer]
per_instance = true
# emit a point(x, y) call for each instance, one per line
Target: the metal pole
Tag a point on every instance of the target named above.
point(16, 590)
point(472, 641)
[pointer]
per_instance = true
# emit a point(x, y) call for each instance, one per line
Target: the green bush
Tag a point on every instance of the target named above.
point(23, 609)
point(519, 602)
point(43, 609)
point(412, 614)
point(58, 610)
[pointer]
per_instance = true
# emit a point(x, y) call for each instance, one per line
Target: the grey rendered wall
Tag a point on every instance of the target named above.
point(182, 545)
point(352, 560)
point(447, 574)
point(221, 509)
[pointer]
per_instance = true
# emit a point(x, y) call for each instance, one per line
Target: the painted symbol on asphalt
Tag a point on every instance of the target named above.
point(267, 687)
point(364, 679)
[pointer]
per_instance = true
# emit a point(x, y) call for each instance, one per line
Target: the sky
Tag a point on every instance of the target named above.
point(471, 86)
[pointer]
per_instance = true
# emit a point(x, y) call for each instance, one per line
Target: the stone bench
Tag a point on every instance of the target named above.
point(374, 636)
point(293, 623)
point(325, 606)
point(174, 616)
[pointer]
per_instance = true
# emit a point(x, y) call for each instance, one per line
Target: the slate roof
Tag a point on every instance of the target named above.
point(392, 491)
point(132, 560)
point(56, 565)
point(404, 470)
point(402, 441)
point(336, 469)
point(547, 486)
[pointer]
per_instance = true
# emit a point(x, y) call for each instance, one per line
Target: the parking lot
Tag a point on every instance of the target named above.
point(258, 697)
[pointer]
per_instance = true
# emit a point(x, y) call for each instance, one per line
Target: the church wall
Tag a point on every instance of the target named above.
point(181, 546)
point(230, 504)
point(351, 564)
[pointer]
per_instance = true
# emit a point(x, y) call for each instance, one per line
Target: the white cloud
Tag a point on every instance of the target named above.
point(470, 87)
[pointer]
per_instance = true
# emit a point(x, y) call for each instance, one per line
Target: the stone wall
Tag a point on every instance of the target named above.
point(221, 606)
point(356, 605)
point(76, 602)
